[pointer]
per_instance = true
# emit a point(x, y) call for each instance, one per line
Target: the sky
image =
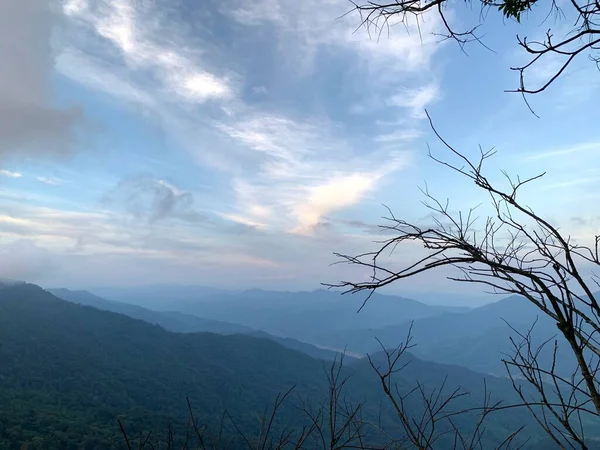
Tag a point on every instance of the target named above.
point(239, 144)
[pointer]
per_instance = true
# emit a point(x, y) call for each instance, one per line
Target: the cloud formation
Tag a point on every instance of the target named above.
point(10, 174)
point(154, 200)
point(416, 100)
point(282, 166)
point(23, 260)
point(50, 181)
point(136, 33)
point(30, 123)
point(270, 156)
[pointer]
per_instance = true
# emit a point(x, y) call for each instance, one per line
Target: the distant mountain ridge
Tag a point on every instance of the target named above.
point(170, 320)
point(478, 339)
point(186, 323)
point(152, 296)
point(300, 315)
point(514, 310)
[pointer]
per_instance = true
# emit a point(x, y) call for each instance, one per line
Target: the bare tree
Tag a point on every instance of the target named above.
point(564, 404)
point(433, 423)
point(582, 38)
point(514, 251)
point(337, 422)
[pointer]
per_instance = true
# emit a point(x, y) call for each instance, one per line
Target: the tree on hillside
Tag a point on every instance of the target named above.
point(577, 22)
point(512, 251)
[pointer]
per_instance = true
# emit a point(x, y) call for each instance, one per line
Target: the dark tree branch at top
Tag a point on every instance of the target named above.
point(583, 36)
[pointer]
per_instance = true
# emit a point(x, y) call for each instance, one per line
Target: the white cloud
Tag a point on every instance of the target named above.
point(180, 72)
point(561, 152)
point(43, 244)
point(287, 170)
point(416, 100)
point(23, 260)
point(96, 74)
point(571, 182)
point(260, 90)
point(151, 200)
point(283, 139)
point(51, 181)
point(308, 171)
point(316, 22)
point(313, 171)
point(402, 135)
point(74, 7)
point(244, 221)
point(333, 195)
point(10, 174)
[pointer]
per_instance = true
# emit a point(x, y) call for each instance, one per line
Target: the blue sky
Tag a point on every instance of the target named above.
point(240, 143)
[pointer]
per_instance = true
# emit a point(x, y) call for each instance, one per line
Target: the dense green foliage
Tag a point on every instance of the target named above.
point(79, 368)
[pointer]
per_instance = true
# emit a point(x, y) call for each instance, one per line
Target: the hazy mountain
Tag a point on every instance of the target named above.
point(483, 350)
point(441, 327)
point(185, 323)
point(303, 315)
point(157, 295)
point(478, 339)
point(76, 368)
point(69, 370)
point(170, 320)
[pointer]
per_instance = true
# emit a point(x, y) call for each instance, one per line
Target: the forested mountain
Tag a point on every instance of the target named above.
point(480, 339)
point(68, 371)
point(470, 323)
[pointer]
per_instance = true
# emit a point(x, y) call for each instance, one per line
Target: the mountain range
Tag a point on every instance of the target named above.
point(322, 323)
point(186, 323)
point(300, 315)
point(69, 371)
point(479, 338)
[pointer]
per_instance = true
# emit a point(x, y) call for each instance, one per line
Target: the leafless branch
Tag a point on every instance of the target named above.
point(583, 38)
point(514, 251)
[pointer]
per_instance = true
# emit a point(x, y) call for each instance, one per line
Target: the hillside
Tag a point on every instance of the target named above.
point(79, 367)
point(68, 371)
